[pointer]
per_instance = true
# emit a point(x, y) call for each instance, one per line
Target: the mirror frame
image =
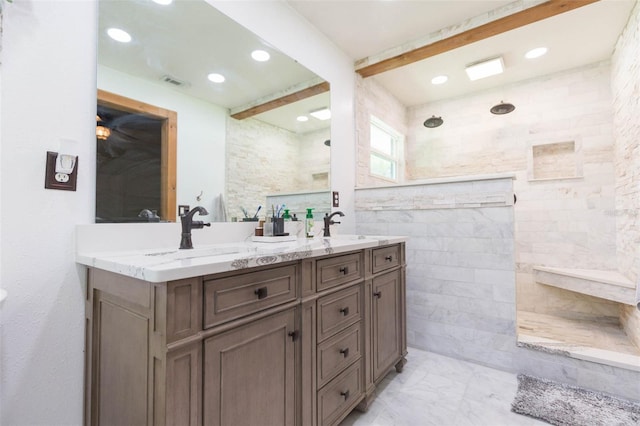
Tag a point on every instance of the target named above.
point(168, 168)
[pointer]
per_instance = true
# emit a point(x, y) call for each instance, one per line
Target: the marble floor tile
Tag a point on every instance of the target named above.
point(437, 390)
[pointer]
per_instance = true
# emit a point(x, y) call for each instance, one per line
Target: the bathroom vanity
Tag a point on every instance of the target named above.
point(247, 334)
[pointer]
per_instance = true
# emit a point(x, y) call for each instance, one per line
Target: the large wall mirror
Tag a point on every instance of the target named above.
point(255, 139)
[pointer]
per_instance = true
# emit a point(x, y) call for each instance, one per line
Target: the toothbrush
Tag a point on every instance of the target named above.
point(256, 215)
point(245, 212)
point(280, 208)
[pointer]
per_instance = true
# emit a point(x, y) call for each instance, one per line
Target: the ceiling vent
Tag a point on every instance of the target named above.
point(174, 81)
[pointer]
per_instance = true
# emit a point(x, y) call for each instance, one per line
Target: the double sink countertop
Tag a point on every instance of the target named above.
point(160, 265)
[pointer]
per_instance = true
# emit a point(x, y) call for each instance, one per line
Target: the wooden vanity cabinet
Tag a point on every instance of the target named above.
point(296, 343)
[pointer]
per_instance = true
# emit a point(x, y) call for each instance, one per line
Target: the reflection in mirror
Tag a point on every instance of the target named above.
point(237, 141)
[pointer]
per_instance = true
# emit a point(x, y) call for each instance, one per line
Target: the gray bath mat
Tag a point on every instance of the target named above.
point(565, 405)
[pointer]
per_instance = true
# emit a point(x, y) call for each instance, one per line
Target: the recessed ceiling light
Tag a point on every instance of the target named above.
point(216, 78)
point(163, 2)
point(485, 68)
point(260, 55)
point(536, 53)
point(302, 118)
point(439, 79)
point(321, 114)
point(119, 35)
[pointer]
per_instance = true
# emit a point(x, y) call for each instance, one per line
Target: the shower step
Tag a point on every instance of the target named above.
point(609, 285)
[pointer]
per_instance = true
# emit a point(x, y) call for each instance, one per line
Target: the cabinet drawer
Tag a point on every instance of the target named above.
point(338, 270)
point(340, 394)
point(239, 295)
point(338, 352)
point(385, 258)
point(338, 311)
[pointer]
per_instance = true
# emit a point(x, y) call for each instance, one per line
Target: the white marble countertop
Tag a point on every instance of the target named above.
point(166, 264)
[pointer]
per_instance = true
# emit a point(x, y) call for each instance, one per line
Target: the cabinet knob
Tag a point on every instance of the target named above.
point(261, 292)
point(378, 294)
point(294, 335)
point(389, 258)
point(344, 352)
point(345, 394)
point(344, 270)
point(344, 311)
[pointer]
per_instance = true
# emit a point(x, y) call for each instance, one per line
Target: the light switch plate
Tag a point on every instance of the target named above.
point(61, 181)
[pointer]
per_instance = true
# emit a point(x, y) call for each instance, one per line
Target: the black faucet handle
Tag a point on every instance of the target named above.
point(198, 224)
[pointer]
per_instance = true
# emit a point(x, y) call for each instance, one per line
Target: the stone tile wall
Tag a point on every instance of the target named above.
point(263, 160)
point(373, 99)
point(460, 263)
point(626, 92)
point(563, 221)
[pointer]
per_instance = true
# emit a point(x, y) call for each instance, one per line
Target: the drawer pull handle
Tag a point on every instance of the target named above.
point(294, 335)
point(261, 292)
point(344, 311)
point(344, 270)
point(378, 294)
point(344, 352)
point(389, 258)
point(345, 394)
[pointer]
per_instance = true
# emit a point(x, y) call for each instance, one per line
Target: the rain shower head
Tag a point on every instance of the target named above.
point(433, 122)
point(502, 108)
point(327, 142)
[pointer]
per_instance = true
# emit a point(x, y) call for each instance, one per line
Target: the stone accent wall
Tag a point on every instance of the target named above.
point(626, 92)
point(263, 160)
point(561, 122)
point(460, 263)
point(373, 99)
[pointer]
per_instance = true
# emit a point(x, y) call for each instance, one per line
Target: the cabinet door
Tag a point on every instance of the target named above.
point(386, 322)
point(249, 374)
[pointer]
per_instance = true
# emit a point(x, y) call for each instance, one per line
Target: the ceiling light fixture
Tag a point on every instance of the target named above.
point(163, 2)
point(485, 68)
point(102, 132)
point(119, 35)
point(433, 122)
point(321, 114)
point(502, 108)
point(439, 79)
point(536, 53)
point(260, 55)
point(216, 78)
point(302, 118)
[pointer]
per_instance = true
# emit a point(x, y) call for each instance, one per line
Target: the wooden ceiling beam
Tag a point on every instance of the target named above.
point(282, 101)
point(499, 26)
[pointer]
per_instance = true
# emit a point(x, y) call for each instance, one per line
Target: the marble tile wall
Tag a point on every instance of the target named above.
point(461, 268)
point(626, 91)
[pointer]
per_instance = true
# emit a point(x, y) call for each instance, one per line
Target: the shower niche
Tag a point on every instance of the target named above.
point(555, 160)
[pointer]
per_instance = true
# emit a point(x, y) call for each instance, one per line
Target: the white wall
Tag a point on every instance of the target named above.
point(201, 134)
point(48, 94)
point(49, 81)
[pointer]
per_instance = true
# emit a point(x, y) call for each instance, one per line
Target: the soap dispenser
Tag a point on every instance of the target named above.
point(309, 224)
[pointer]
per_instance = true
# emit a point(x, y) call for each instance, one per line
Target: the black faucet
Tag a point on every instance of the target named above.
point(328, 222)
point(188, 224)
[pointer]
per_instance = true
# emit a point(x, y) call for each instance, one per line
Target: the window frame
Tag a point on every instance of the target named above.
point(396, 158)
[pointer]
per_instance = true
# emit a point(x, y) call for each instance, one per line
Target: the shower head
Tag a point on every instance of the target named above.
point(502, 108)
point(433, 122)
point(327, 142)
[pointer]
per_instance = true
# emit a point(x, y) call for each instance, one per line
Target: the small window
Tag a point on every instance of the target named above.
point(386, 150)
